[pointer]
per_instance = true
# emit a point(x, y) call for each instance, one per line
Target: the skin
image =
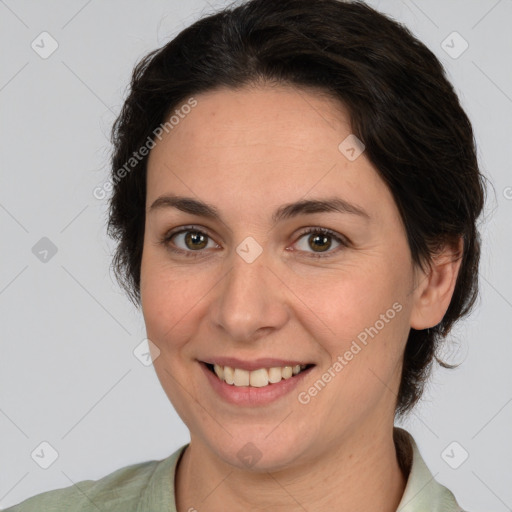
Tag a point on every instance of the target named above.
point(247, 152)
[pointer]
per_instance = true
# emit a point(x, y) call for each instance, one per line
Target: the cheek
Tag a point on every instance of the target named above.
point(173, 299)
point(160, 296)
point(346, 301)
point(360, 316)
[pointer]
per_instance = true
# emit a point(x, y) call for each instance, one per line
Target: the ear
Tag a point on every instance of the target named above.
point(434, 289)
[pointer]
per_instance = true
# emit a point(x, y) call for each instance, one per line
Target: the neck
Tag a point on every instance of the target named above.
point(361, 474)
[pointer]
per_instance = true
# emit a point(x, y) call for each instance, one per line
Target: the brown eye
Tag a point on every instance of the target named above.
point(188, 242)
point(195, 240)
point(318, 242)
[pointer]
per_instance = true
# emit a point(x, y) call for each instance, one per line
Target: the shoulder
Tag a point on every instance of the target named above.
point(117, 491)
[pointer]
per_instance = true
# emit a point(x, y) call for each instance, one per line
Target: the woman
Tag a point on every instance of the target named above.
point(295, 200)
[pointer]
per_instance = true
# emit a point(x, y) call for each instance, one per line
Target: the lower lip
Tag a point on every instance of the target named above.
point(251, 396)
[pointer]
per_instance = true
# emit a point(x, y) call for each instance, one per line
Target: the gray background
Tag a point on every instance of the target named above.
point(68, 375)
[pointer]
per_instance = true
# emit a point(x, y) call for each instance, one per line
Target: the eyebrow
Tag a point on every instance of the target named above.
point(286, 211)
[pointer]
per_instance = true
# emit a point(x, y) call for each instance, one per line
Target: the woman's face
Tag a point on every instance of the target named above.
point(249, 288)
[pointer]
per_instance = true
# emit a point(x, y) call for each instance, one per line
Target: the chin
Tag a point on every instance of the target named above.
point(257, 451)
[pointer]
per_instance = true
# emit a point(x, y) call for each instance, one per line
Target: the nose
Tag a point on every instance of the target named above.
point(250, 301)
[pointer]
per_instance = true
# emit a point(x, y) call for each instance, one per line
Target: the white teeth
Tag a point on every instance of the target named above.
point(287, 372)
point(229, 375)
point(219, 370)
point(275, 375)
point(259, 378)
point(256, 378)
point(241, 377)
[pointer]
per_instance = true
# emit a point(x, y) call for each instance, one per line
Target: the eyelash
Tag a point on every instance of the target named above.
point(166, 239)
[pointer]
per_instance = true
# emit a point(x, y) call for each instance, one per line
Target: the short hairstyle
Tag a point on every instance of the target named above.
point(400, 104)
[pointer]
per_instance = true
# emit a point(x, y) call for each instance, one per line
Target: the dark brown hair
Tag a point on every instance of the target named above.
point(400, 103)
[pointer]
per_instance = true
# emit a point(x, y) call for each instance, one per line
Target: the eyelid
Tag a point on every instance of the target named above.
point(341, 239)
point(190, 227)
point(166, 239)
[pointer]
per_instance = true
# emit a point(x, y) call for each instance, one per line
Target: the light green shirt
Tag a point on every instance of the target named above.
point(149, 487)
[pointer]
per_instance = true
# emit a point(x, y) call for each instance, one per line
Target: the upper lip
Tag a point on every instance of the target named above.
point(254, 364)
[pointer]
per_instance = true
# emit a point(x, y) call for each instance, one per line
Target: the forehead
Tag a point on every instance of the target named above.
point(272, 144)
point(270, 115)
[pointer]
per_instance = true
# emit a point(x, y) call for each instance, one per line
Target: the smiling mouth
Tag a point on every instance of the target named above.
point(257, 378)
